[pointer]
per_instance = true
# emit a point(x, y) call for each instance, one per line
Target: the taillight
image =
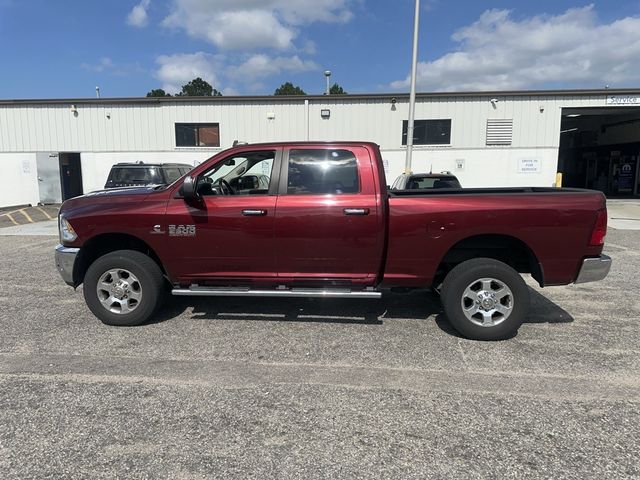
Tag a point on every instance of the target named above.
point(599, 229)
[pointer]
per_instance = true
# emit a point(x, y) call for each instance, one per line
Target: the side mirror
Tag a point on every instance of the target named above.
point(188, 188)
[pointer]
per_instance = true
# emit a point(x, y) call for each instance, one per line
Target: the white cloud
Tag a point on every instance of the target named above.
point(138, 15)
point(247, 30)
point(253, 24)
point(573, 49)
point(260, 66)
point(105, 63)
point(106, 66)
point(230, 92)
point(176, 70)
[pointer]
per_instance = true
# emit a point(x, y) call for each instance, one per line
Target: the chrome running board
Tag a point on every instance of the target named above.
point(198, 291)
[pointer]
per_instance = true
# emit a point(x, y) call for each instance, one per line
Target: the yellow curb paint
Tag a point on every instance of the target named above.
point(12, 219)
point(11, 212)
point(45, 213)
point(26, 215)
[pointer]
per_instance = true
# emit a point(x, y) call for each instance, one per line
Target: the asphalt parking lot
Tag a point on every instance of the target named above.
point(235, 388)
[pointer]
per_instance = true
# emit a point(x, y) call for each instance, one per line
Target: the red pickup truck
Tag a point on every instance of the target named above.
point(316, 220)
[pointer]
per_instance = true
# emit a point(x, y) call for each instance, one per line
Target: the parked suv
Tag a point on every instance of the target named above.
point(425, 181)
point(139, 174)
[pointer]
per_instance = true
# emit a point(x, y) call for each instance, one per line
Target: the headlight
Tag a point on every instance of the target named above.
point(67, 233)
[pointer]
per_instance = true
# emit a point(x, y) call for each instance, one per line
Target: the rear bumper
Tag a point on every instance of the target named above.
point(65, 260)
point(594, 269)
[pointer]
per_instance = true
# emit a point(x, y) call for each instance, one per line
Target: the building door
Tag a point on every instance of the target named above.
point(70, 175)
point(49, 178)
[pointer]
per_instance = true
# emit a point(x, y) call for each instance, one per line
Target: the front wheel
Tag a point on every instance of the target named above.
point(123, 288)
point(485, 299)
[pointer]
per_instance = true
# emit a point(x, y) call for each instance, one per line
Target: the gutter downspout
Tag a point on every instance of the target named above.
point(306, 112)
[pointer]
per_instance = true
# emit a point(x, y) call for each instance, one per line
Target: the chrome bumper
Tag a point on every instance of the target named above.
point(65, 259)
point(594, 269)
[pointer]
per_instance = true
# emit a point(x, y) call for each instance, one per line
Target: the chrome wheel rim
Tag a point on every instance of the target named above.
point(487, 302)
point(119, 291)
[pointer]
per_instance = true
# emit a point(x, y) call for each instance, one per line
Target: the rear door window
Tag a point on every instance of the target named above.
point(322, 171)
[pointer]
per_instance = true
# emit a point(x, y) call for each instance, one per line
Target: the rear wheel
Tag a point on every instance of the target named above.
point(485, 299)
point(123, 288)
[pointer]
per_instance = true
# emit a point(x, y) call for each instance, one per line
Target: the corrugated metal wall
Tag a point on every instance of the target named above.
point(131, 127)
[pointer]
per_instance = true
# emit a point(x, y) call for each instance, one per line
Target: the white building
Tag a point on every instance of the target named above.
point(486, 139)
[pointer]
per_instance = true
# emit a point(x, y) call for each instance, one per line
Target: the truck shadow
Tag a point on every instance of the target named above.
point(392, 306)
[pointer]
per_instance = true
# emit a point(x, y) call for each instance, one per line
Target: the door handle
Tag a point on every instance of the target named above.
point(254, 212)
point(356, 211)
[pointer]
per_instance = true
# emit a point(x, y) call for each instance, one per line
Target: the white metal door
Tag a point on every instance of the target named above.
point(49, 177)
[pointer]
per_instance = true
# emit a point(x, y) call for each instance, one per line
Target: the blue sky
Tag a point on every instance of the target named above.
point(58, 49)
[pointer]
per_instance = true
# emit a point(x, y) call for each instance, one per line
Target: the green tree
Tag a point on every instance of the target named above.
point(336, 90)
point(198, 88)
point(158, 92)
point(289, 88)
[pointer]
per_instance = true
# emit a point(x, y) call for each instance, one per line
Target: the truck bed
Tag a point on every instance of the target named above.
point(552, 225)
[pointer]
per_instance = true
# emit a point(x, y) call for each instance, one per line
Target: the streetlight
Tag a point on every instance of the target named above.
point(412, 95)
point(97, 92)
point(327, 74)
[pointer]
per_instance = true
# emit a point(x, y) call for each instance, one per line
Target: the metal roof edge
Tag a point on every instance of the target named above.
point(323, 98)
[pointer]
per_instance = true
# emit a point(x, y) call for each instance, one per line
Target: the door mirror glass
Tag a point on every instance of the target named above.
point(188, 189)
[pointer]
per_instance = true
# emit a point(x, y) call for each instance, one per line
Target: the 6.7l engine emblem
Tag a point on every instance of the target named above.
point(182, 230)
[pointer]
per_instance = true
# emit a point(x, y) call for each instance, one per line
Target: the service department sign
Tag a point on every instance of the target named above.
point(529, 165)
point(623, 100)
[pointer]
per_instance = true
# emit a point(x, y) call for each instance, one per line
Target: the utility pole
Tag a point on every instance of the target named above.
point(412, 95)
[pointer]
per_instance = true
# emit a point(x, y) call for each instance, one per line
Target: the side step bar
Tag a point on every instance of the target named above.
point(197, 291)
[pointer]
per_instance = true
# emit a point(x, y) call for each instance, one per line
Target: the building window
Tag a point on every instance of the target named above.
point(197, 134)
point(322, 172)
point(429, 132)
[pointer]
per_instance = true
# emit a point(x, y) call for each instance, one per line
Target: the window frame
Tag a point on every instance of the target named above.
point(274, 179)
point(197, 126)
point(284, 171)
point(405, 128)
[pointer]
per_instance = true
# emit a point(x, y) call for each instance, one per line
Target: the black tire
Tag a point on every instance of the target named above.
point(148, 280)
point(468, 275)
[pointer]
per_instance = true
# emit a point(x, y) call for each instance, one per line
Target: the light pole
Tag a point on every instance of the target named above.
point(97, 92)
point(327, 75)
point(412, 95)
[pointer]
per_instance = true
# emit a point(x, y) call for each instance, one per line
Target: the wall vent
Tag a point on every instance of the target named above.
point(499, 131)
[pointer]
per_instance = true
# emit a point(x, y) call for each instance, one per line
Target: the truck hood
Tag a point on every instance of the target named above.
point(112, 196)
